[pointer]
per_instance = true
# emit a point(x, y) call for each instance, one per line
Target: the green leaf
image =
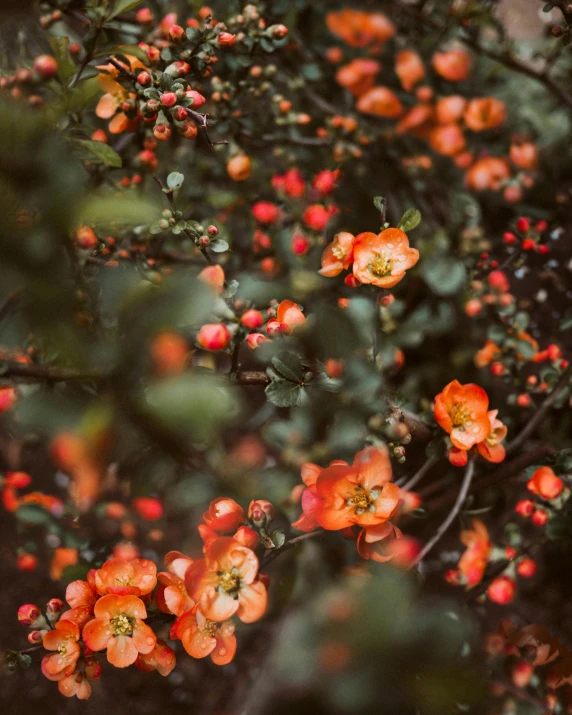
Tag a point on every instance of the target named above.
point(83, 95)
point(98, 153)
point(380, 203)
point(108, 212)
point(122, 6)
point(525, 349)
point(175, 180)
point(278, 538)
point(283, 393)
point(566, 322)
point(32, 514)
point(289, 365)
point(66, 65)
point(410, 220)
point(218, 245)
point(444, 275)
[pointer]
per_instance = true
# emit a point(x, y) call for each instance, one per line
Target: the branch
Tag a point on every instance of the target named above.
point(251, 377)
point(463, 492)
point(49, 373)
point(542, 411)
point(269, 556)
point(419, 474)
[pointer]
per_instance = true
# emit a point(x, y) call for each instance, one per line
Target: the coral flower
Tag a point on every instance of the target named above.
point(360, 29)
point(487, 354)
point(484, 113)
point(338, 255)
point(359, 494)
point(310, 473)
point(63, 640)
point(171, 595)
point(161, 658)
point(75, 684)
point(358, 76)
point(115, 95)
point(289, 316)
point(214, 277)
point(415, 119)
point(447, 139)
point(524, 156)
point(382, 259)
point(126, 578)
point(226, 582)
point(452, 65)
point(409, 68)
point(82, 597)
point(474, 561)
point(545, 483)
point(461, 410)
point(450, 109)
point(491, 448)
point(375, 542)
point(490, 172)
point(118, 626)
point(201, 636)
point(380, 101)
point(223, 516)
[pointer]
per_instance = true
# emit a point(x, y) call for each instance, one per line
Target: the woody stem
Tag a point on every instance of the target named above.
point(269, 556)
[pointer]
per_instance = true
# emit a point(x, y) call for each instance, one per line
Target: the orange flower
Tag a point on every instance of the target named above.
point(491, 448)
point(376, 542)
point(360, 29)
point(452, 65)
point(161, 658)
point(115, 95)
point(118, 626)
point(382, 259)
point(62, 558)
point(358, 76)
point(289, 316)
point(450, 109)
point(75, 684)
point(344, 495)
point(171, 595)
point(409, 68)
point(487, 354)
point(226, 582)
point(214, 277)
point(63, 640)
point(126, 578)
point(415, 119)
point(380, 101)
point(461, 410)
point(524, 156)
point(447, 139)
point(338, 255)
point(201, 636)
point(224, 516)
point(484, 113)
point(82, 597)
point(545, 483)
point(475, 559)
point(489, 172)
point(310, 473)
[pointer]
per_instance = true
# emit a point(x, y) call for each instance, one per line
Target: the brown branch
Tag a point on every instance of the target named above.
point(463, 492)
point(419, 474)
point(48, 373)
point(541, 413)
point(251, 377)
point(269, 556)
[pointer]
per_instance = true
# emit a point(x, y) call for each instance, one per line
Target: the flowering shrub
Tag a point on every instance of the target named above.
point(285, 348)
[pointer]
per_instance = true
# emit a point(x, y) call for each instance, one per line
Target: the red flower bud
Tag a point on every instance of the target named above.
point(148, 508)
point(545, 483)
point(247, 537)
point(252, 319)
point(528, 244)
point(46, 66)
point(214, 336)
point(255, 340)
point(226, 39)
point(526, 568)
point(260, 510)
point(540, 517)
point(176, 33)
point(168, 99)
point(300, 244)
point(26, 562)
point(197, 97)
point(523, 225)
point(273, 328)
point(266, 212)
point(509, 238)
point(525, 508)
point(501, 590)
point(28, 613)
point(180, 114)
point(144, 16)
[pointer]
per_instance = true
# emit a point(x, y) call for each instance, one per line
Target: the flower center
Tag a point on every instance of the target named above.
point(381, 265)
point(210, 628)
point(122, 625)
point(229, 581)
point(63, 648)
point(125, 581)
point(459, 414)
point(338, 252)
point(362, 499)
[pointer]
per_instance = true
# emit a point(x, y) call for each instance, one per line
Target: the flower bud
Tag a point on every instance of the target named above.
point(226, 39)
point(168, 99)
point(247, 537)
point(214, 336)
point(148, 508)
point(545, 483)
point(501, 590)
point(36, 636)
point(526, 568)
point(273, 328)
point(260, 511)
point(239, 167)
point(252, 319)
point(28, 614)
point(255, 340)
point(54, 607)
point(46, 66)
point(188, 129)
point(176, 33)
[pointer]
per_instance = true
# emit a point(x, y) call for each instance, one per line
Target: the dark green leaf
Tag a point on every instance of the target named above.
point(98, 153)
point(32, 514)
point(286, 394)
point(66, 66)
point(218, 245)
point(122, 6)
point(410, 220)
point(289, 365)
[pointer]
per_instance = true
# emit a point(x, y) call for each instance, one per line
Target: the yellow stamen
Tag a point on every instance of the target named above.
point(381, 265)
point(122, 625)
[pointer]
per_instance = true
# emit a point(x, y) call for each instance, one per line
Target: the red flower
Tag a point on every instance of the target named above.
point(118, 626)
point(201, 637)
point(461, 410)
point(226, 582)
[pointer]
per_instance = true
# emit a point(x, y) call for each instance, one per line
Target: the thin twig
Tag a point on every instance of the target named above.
point(419, 474)
point(269, 556)
point(251, 377)
point(463, 492)
point(49, 373)
point(542, 411)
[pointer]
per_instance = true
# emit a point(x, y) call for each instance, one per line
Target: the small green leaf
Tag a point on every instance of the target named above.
point(278, 538)
point(122, 6)
point(175, 180)
point(289, 365)
point(60, 48)
point(218, 245)
point(410, 220)
point(99, 153)
point(380, 203)
point(283, 393)
point(32, 514)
